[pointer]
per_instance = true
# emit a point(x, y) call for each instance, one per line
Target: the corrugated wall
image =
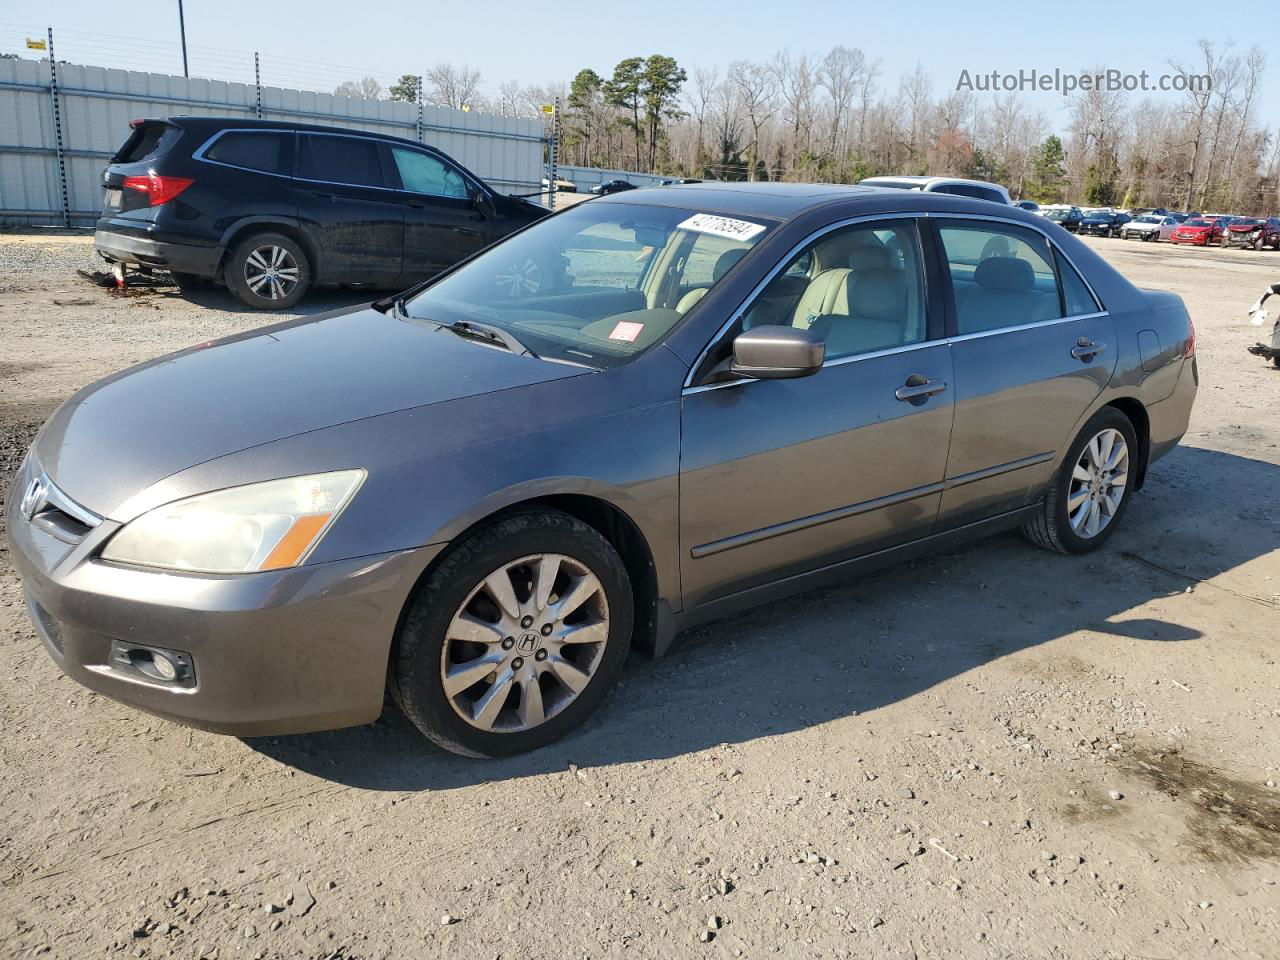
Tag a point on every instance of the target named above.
point(96, 105)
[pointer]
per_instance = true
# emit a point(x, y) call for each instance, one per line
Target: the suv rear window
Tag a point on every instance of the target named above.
point(268, 152)
point(146, 141)
point(339, 160)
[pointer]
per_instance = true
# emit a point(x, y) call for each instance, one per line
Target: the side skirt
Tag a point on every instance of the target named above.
point(670, 623)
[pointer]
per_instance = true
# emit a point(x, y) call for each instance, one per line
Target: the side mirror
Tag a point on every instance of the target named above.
point(483, 203)
point(777, 353)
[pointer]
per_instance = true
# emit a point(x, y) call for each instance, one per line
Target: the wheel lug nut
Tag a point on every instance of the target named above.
point(546, 629)
point(526, 622)
point(508, 643)
point(540, 655)
point(517, 663)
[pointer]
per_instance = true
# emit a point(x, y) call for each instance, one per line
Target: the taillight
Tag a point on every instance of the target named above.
point(156, 188)
point(1191, 340)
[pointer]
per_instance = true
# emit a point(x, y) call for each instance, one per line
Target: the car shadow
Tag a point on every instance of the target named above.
point(836, 652)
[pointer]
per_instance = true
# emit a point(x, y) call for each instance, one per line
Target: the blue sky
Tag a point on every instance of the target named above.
point(536, 42)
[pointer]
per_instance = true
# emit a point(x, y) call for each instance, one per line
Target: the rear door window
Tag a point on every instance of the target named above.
point(1002, 276)
point(331, 159)
point(268, 152)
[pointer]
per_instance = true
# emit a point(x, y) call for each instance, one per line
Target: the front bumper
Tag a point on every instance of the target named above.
point(145, 251)
point(286, 651)
point(1200, 241)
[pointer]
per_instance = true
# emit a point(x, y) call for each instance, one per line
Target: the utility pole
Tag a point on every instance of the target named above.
point(182, 30)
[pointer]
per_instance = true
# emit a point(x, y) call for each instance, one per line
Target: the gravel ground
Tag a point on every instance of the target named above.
point(998, 752)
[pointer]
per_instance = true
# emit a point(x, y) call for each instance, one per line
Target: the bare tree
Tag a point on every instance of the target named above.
point(457, 88)
point(366, 89)
point(758, 95)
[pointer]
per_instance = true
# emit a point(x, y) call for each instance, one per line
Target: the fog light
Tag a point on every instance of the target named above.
point(164, 666)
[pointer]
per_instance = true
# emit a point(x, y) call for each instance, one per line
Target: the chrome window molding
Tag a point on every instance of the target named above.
point(734, 315)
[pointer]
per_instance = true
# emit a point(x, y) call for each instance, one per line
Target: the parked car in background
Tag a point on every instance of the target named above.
point(673, 181)
point(612, 186)
point(977, 189)
point(1029, 205)
point(273, 209)
point(1149, 226)
point(1200, 231)
point(1254, 233)
point(561, 184)
point(1102, 222)
point(1065, 216)
point(485, 502)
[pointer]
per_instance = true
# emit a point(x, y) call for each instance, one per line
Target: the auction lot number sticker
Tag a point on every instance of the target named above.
point(726, 227)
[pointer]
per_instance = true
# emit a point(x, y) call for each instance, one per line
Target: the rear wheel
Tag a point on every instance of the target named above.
point(268, 271)
point(516, 637)
point(1090, 492)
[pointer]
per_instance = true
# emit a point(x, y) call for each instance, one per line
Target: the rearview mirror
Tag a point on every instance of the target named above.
point(483, 203)
point(777, 353)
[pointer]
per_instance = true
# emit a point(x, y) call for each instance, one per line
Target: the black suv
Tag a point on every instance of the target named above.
point(272, 209)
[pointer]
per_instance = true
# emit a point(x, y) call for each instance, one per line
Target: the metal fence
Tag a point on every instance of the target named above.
point(61, 124)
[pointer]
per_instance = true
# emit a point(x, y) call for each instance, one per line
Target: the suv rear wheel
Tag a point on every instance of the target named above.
point(268, 271)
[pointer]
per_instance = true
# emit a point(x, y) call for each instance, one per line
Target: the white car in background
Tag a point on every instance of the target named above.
point(980, 189)
point(1149, 226)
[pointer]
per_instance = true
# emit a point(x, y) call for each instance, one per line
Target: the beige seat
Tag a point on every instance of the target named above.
point(826, 295)
point(724, 263)
point(1004, 295)
point(855, 311)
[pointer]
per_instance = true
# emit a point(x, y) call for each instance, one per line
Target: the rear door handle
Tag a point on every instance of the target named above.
point(1085, 349)
point(919, 387)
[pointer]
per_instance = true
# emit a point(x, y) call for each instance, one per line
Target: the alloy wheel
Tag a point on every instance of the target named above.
point(525, 643)
point(1098, 483)
point(271, 272)
point(521, 278)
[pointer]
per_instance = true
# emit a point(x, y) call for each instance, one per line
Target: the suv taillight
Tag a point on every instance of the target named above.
point(156, 188)
point(1191, 340)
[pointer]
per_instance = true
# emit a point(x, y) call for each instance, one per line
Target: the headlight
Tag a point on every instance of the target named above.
point(261, 526)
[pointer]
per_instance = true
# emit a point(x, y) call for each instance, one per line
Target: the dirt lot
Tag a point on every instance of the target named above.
point(994, 753)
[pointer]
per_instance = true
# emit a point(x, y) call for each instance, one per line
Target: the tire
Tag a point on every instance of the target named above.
point(1053, 528)
point(455, 620)
point(254, 258)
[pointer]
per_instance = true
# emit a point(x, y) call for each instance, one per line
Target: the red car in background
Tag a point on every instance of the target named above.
point(1254, 233)
point(1201, 231)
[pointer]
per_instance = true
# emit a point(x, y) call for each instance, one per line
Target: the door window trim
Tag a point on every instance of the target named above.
point(393, 168)
point(690, 387)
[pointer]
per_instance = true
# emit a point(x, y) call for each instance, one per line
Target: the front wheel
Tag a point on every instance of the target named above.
point(268, 271)
point(1090, 492)
point(516, 637)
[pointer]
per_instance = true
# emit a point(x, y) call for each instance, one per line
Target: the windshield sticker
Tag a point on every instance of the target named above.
point(626, 330)
point(722, 226)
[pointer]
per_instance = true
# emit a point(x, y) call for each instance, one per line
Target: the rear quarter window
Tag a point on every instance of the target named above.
point(268, 152)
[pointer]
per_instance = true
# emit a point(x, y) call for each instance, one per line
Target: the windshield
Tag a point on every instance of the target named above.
point(1057, 214)
point(597, 284)
point(1148, 219)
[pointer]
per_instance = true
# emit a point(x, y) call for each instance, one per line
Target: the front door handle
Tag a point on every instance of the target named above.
point(1085, 349)
point(919, 388)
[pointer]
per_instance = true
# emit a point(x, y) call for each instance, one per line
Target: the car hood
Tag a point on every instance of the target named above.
point(120, 435)
point(1244, 227)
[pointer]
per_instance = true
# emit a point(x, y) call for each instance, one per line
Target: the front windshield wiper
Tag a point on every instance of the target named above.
point(472, 329)
point(489, 334)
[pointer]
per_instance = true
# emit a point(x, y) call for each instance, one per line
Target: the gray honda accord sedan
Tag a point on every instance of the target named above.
point(483, 496)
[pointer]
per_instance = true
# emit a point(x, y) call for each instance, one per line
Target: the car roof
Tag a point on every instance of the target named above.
point(213, 124)
point(786, 201)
